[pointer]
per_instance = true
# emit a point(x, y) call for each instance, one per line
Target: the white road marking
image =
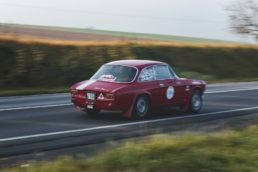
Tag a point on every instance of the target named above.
point(35, 107)
point(224, 91)
point(68, 104)
point(122, 125)
point(37, 95)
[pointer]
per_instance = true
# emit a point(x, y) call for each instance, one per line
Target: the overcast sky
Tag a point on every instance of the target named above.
point(194, 18)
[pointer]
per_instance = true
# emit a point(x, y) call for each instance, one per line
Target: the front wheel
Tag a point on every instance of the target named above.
point(141, 107)
point(92, 112)
point(195, 103)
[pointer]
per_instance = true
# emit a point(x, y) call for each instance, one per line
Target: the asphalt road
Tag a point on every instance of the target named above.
point(51, 122)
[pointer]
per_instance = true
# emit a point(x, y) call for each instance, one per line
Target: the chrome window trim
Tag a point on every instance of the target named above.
point(172, 71)
point(137, 71)
point(169, 73)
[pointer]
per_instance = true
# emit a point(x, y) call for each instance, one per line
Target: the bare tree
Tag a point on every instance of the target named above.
point(244, 17)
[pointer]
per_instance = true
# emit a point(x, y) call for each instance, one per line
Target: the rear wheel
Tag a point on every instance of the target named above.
point(141, 107)
point(92, 112)
point(195, 103)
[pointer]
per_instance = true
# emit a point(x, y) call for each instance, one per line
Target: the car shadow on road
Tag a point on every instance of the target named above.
point(153, 114)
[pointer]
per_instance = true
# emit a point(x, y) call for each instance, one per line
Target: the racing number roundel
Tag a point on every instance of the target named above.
point(170, 92)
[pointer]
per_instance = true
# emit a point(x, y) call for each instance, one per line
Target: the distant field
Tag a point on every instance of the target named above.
point(76, 34)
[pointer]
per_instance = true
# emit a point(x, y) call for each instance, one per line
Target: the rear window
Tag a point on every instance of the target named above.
point(115, 73)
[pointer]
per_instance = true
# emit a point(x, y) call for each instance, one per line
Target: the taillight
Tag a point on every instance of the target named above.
point(110, 96)
point(74, 92)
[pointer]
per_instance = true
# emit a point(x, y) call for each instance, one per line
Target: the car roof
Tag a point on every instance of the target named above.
point(137, 63)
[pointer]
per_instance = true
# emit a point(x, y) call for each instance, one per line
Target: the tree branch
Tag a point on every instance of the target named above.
point(244, 17)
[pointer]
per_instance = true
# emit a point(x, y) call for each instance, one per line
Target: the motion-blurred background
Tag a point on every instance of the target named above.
point(95, 19)
point(46, 46)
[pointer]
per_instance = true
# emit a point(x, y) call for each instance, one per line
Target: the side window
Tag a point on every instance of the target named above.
point(146, 75)
point(162, 72)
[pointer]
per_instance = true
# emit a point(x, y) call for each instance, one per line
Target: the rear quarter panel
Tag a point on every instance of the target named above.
point(126, 96)
point(195, 84)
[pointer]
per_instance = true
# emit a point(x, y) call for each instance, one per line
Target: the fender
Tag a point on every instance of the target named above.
point(128, 113)
point(186, 106)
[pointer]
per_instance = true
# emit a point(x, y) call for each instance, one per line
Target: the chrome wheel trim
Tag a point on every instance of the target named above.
point(196, 101)
point(142, 106)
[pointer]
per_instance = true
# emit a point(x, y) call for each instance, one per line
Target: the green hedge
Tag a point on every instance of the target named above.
point(44, 64)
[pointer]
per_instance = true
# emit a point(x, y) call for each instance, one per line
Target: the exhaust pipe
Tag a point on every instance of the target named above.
point(80, 108)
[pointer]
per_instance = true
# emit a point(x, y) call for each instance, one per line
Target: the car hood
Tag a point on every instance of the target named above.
point(94, 85)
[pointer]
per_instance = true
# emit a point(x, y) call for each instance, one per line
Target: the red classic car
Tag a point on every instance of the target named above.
point(136, 86)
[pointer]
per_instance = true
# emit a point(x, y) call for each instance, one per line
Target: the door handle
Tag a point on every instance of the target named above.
point(161, 85)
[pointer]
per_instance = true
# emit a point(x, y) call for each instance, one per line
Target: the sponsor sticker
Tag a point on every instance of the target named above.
point(109, 78)
point(90, 96)
point(101, 96)
point(170, 92)
point(196, 82)
point(147, 75)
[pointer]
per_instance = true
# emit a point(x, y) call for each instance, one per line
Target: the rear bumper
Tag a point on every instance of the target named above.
point(98, 104)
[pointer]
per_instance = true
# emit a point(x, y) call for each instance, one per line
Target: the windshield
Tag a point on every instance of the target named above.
point(115, 73)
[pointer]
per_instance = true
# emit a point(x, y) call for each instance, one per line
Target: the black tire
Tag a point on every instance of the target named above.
point(141, 107)
point(92, 112)
point(195, 103)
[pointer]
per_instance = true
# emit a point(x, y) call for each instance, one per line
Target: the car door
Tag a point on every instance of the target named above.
point(170, 90)
point(181, 87)
point(146, 81)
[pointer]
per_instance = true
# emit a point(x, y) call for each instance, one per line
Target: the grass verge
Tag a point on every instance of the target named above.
point(224, 152)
